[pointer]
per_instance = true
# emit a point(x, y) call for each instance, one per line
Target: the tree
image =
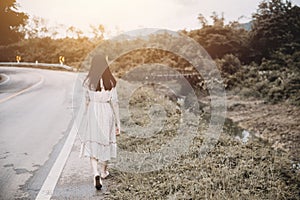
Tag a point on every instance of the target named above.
point(36, 27)
point(71, 31)
point(220, 39)
point(218, 21)
point(11, 21)
point(276, 26)
point(202, 20)
point(98, 32)
point(74, 32)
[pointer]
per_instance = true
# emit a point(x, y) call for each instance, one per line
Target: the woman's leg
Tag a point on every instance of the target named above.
point(104, 171)
point(97, 179)
point(94, 164)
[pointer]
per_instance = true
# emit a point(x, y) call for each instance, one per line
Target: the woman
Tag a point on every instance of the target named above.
point(101, 121)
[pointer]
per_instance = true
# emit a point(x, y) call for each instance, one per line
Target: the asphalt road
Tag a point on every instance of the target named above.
point(36, 114)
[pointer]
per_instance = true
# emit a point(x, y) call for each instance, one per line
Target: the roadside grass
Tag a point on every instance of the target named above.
point(231, 170)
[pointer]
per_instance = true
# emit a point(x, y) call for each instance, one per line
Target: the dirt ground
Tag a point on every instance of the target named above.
point(279, 124)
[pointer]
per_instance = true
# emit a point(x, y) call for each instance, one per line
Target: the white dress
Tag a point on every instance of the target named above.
point(97, 131)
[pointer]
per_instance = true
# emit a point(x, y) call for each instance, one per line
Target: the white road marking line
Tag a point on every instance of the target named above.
point(6, 77)
point(49, 184)
point(23, 90)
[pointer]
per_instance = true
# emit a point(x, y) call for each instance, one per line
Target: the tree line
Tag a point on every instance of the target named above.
point(263, 61)
point(275, 28)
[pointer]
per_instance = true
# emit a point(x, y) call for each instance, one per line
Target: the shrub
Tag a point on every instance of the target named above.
point(276, 94)
point(229, 64)
point(246, 92)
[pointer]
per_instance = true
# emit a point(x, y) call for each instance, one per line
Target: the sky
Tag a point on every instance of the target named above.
point(126, 15)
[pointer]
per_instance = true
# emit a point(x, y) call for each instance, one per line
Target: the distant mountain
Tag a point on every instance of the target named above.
point(138, 33)
point(247, 26)
point(143, 33)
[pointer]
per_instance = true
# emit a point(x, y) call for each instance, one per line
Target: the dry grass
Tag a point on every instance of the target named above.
point(232, 170)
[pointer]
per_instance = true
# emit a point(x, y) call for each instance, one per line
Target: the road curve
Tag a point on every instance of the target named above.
point(35, 117)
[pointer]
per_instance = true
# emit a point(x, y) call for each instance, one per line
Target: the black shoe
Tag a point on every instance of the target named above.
point(97, 182)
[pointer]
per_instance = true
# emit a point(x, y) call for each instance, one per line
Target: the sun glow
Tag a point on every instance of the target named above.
point(125, 15)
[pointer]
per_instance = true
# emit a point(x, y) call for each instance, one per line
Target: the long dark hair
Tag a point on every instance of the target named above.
point(99, 69)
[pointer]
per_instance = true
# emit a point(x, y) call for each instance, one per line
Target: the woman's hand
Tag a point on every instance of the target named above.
point(117, 131)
